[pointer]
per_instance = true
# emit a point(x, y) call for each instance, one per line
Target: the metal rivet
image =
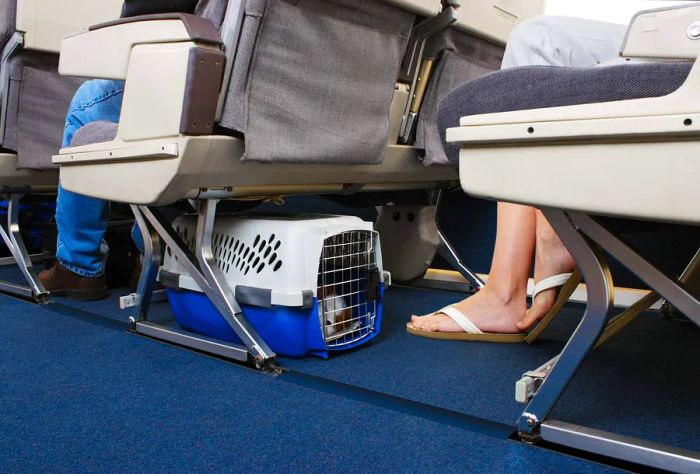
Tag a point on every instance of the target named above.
point(694, 30)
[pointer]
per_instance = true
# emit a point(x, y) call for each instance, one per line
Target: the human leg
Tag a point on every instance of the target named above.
point(503, 301)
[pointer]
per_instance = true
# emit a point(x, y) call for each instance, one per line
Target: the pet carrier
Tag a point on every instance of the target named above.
point(307, 284)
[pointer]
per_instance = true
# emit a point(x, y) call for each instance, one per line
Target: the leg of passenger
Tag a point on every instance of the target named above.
point(551, 258)
point(82, 220)
point(563, 42)
point(500, 306)
point(503, 301)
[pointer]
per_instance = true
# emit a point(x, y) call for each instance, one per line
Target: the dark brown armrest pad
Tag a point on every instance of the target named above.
point(200, 29)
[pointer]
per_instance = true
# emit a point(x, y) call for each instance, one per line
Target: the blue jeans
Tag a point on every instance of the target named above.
point(81, 220)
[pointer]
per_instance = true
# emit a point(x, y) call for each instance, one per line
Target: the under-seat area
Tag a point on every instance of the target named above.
point(395, 381)
point(395, 388)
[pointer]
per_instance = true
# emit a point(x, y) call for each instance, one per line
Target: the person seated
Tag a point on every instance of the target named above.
point(81, 251)
point(499, 312)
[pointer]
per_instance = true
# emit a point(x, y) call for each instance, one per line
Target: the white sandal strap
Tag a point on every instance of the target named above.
point(462, 321)
point(551, 282)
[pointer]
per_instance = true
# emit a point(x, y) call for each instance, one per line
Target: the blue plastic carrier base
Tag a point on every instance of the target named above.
point(290, 332)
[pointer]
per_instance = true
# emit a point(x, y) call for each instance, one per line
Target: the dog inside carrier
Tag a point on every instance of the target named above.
point(309, 285)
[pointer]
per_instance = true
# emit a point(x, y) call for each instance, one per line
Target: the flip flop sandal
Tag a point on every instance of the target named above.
point(471, 331)
point(568, 283)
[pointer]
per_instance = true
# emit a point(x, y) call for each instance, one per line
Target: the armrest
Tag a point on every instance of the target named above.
point(173, 67)
point(105, 49)
point(666, 33)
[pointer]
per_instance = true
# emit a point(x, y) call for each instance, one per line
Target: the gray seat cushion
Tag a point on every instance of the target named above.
point(95, 132)
point(539, 87)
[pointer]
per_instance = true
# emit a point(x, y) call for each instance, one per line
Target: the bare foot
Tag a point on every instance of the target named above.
point(489, 311)
point(551, 258)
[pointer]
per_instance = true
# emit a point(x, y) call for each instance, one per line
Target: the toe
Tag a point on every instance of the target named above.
point(525, 323)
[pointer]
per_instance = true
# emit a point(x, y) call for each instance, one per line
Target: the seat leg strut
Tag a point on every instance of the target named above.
point(450, 254)
point(13, 239)
point(599, 285)
point(149, 268)
point(675, 293)
point(207, 275)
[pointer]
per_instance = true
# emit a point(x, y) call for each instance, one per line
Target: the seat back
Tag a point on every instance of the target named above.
point(34, 96)
point(457, 57)
point(313, 80)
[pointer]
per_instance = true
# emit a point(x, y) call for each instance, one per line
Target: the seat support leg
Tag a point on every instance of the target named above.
point(207, 275)
point(599, 284)
point(447, 251)
point(13, 239)
point(675, 293)
point(149, 269)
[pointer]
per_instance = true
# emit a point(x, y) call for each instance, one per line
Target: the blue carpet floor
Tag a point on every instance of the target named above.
point(84, 396)
point(641, 383)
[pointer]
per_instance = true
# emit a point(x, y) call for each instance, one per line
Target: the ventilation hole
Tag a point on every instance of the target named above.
point(272, 237)
point(267, 252)
point(273, 257)
point(247, 251)
point(687, 122)
point(257, 260)
point(530, 130)
point(226, 241)
point(251, 256)
point(246, 270)
point(277, 245)
point(411, 217)
point(278, 265)
point(235, 247)
point(257, 239)
point(262, 246)
point(261, 267)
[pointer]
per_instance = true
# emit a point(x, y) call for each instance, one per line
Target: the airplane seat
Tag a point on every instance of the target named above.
point(538, 87)
point(313, 89)
point(471, 48)
point(591, 147)
point(34, 98)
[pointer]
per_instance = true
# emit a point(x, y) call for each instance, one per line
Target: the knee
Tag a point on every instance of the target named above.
point(531, 30)
point(527, 38)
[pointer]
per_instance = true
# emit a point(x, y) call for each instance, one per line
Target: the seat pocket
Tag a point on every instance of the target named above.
point(321, 81)
point(44, 97)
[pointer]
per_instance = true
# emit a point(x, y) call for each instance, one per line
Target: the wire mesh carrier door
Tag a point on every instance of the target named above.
point(348, 287)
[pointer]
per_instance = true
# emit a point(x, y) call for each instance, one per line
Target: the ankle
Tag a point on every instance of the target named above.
point(506, 295)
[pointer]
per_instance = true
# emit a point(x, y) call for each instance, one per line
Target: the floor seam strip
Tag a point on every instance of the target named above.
point(402, 405)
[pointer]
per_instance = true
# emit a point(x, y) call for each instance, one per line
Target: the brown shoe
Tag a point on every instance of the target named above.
point(59, 281)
